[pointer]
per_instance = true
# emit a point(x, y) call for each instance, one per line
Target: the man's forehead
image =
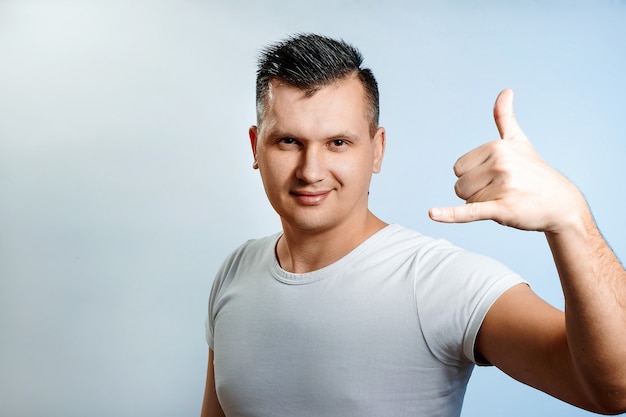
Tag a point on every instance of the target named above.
point(338, 106)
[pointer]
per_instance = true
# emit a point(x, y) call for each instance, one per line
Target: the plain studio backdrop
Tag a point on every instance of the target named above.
point(125, 169)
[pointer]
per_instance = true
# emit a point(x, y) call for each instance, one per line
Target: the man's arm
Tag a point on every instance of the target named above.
point(211, 406)
point(580, 355)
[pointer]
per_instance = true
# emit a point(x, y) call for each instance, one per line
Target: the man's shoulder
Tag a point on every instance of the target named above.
point(251, 254)
point(400, 236)
point(254, 246)
point(400, 241)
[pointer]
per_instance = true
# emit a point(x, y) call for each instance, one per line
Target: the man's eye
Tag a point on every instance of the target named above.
point(338, 143)
point(288, 141)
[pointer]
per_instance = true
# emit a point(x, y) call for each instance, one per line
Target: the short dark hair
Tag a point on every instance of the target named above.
point(310, 62)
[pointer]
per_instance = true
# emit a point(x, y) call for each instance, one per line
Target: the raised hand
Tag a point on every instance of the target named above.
point(508, 182)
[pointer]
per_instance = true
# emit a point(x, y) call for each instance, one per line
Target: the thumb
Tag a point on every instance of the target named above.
point(504, 116)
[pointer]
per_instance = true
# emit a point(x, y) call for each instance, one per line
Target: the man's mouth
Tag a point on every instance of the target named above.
point(310, 198)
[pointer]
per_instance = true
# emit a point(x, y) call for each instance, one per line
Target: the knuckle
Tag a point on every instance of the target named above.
point(502, 167)
point(458, 189)
point(474, 210)
point(458, 171)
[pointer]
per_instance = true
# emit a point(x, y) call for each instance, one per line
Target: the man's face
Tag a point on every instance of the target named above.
point(316, 155)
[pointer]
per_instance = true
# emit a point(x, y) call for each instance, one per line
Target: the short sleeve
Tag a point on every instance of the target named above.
point(454, 290)
point(216, 289)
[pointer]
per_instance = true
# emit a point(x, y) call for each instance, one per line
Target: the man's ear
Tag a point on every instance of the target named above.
point(252, 133)
point(380, 141)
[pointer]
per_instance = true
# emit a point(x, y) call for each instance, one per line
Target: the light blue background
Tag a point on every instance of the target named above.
point(125, 169)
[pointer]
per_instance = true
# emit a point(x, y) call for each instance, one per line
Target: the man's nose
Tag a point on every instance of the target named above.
point(311, 165)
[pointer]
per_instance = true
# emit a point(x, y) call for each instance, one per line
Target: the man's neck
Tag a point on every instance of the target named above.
point(302, 251)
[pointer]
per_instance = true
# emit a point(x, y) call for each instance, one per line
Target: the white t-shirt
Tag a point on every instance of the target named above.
point(388, 330)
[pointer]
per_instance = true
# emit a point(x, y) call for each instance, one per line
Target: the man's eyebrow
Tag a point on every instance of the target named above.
point(288, 134)
point(345, 135)
point(273, 134)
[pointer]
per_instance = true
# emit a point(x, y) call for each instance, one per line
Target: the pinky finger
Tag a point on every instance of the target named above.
point(469, 212)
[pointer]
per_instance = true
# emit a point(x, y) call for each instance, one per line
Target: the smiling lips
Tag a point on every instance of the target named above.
point(310, 198)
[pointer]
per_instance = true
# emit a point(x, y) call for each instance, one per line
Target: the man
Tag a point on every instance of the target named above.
point(342, 314)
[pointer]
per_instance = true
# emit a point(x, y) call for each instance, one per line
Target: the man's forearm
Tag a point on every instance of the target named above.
point(594, 286)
